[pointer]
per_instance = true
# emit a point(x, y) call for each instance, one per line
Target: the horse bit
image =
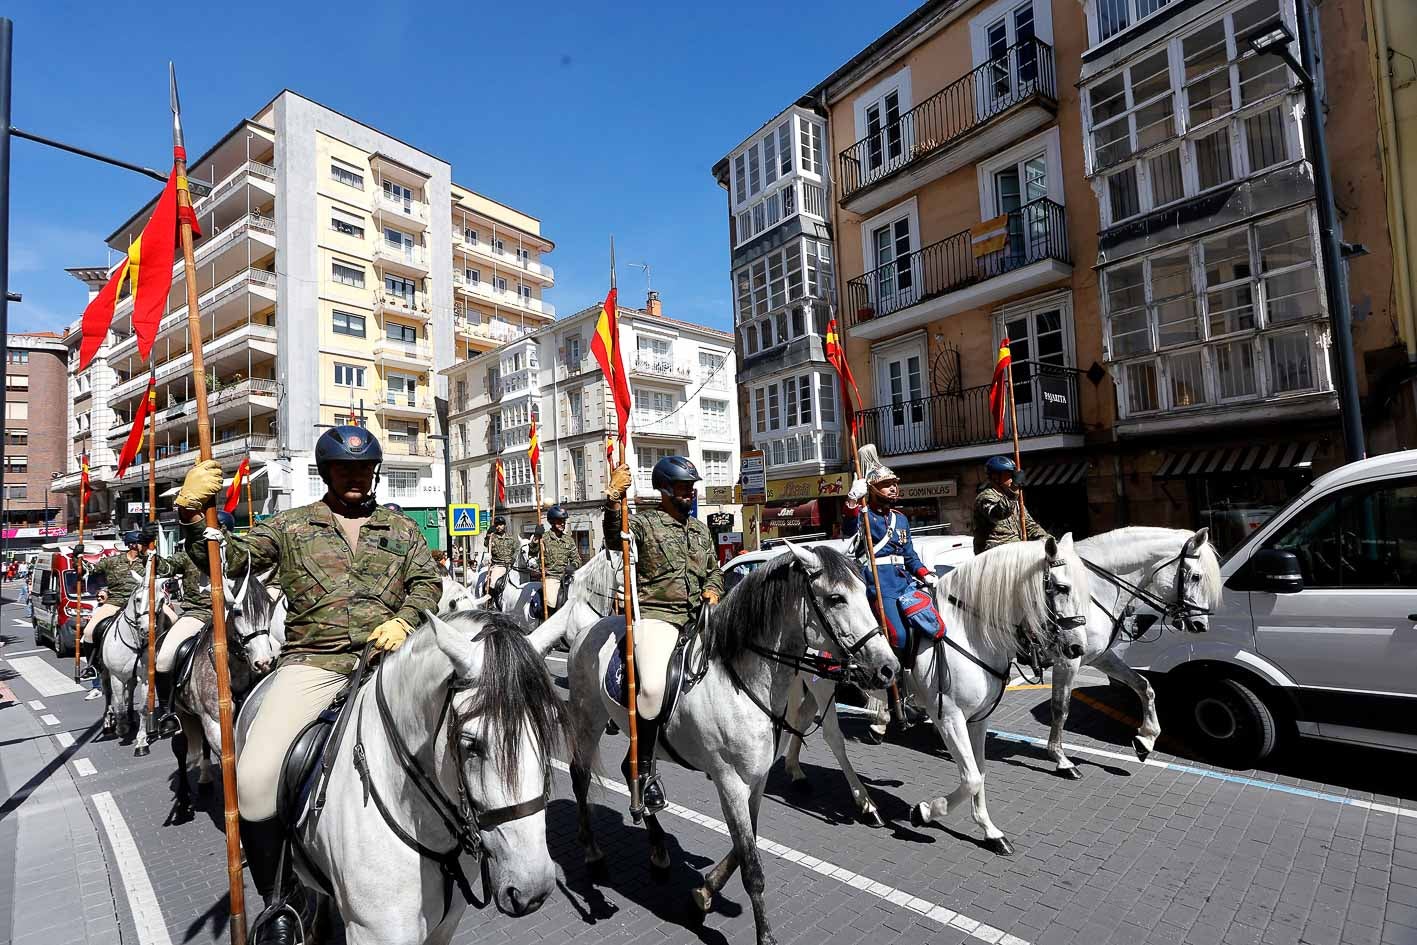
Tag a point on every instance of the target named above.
point(1176, 612)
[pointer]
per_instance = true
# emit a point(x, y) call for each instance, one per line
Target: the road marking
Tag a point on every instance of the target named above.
point(49, 719)
point(64, 739)
point(930, 910)
point(23, 623)
point(1021, 687)
point(84, 767)
point(36, 705)
point(46, 680)
point(147, 915)
point(9, 655)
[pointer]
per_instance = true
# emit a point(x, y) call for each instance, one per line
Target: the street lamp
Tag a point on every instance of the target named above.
point(1274, 38)
point(53, 477)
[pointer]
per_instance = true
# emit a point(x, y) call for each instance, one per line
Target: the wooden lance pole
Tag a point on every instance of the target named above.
point(151, 720)
point(250, 508)
point(1018, 470)
point(204, 435)
point(79, 574)
point(540, 542)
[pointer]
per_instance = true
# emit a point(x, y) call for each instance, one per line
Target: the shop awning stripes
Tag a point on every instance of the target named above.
point(1274, 457)
point(1053, 474)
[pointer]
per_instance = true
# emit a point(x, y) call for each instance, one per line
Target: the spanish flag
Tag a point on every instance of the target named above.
point(533, 452)
point(998, 393)
point(501, 476)
point(233, 491)
point(836, 355)
point(606, 348)
point(134, 444)
point(84, 491)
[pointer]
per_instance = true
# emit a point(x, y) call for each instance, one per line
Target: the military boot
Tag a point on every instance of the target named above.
point(651, 792)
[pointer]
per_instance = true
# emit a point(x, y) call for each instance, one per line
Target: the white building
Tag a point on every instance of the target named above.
point(685, 403)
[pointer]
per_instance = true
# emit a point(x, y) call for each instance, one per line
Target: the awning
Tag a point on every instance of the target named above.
point(1053, 474)
point(795, 514)
point(1275, 457)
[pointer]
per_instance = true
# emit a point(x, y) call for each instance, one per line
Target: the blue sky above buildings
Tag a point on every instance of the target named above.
point(597, 118)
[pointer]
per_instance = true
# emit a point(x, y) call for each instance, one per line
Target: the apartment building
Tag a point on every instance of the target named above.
point(684, 403)
point(35, 438)
point(778, 183)
point(326, 281)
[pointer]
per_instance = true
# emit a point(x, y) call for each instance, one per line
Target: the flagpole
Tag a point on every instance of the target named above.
point(1018, 470)
point(150, 396)
point(79, 570)
point(491, 523)
point(540, 542)
point(235, 878)
point(250, 509)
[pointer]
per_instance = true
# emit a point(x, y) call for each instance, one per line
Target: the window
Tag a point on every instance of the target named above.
point(524, 291)
point(715, 415)
point(1363, 537)
point(718, 468)
point(17, 492)
point(826, 397)
point(17, 410)
point(18, 357)
point(347, 174)
point(347, 275)
point(574, 352)
point(760, 409)
point(1110, 17)
point(17, 464)
point(398, 193)
point(348, 375)
point(401, 389)
point(346, 223)
point(774, 280)
point(500, 283)
point(348, 323)
point(17, 437)
point(885, 143)
point(652, 405)
point(469, 236)
point(740, 178)
point(710, 364)
point(406, 334)
point(17, 382)
point(472, 276)
point(405, 290)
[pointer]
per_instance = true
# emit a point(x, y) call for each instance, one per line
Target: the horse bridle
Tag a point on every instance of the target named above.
point(824, 665)
point(1175, 611)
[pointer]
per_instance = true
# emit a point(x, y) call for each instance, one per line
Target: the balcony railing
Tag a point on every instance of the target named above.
point(414, 256)
point(227, 392)
point(506, 297)
point(240, 282)
point(409, 210)
point(1034, 232)
point(1047, 405)
point(411, 306)
point(661, 367)
point(232, 181)
point(236, 337)
point(1024, 71)
point(501, 257)
point(676, 426)
point(570, 367)
point(578, 423)
point(419, 351)
point(496, 331)
point(213, 245)
point(387, 399)
point(186, 454)
point(411, 446)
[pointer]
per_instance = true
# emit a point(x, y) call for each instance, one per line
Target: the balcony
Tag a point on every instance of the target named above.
point(571, 367)
point(661, 369)
point(229, 398)
point(401, 257)
point(254, 227)
point(820, 448)
point(577, 424)
point(416, 354)
point(398, 403)
point(413, 210)
point(972, 117)
point(672, 428)
point(257, 337)
point(1028, 249)
point(183, 455)
point(414, 306)
point(416, 448)
point(504, 297)
point(495, 332)
point(959, 425)
point(503, 259)
point(250, 174)
point(257, 281)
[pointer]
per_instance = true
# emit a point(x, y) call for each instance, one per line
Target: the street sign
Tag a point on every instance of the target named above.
point(137, 508)
point(752, 473)
point(484, 520)
point(466, 519)
point(934, 489)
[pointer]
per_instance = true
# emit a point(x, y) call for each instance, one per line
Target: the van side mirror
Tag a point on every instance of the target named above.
point(1274, 571)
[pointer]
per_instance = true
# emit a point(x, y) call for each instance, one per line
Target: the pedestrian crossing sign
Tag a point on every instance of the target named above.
point(466, 520)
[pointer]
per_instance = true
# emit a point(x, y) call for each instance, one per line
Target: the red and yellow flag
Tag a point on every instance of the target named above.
point(134, 444)
point(233, 491)
point(501, 476)
point(147, 271)
point(84, 490)
point(605, 345)
point(836, 355)
point(998, 393)
point(533, 451)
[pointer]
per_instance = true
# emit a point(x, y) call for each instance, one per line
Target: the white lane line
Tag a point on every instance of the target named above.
point(12, 655)
point(49, 719)
point(84, 767)
point(926, 908)
point(46, 680)
point(36, 705)
point(64, 739)
point(23, 623)
point(147, 915)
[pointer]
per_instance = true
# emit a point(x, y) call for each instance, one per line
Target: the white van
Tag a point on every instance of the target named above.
point(1317, 630)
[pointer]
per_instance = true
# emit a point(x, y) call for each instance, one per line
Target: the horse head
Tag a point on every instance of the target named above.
point(250, 615)
point(1190, 584)
point(456, 597)
point(1063, 629)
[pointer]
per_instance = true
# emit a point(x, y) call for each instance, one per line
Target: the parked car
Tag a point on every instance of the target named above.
point(1316, 634)
point(54, 594)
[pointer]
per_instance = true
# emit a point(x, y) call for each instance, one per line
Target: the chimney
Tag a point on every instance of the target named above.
point(652, 304)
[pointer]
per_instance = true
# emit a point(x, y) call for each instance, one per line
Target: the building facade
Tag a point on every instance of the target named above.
point(35, 440)
point(326, 281)
point(684, 403)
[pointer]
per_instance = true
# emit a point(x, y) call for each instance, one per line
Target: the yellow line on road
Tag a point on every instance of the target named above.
point(1115, 715)
point(1022, 686)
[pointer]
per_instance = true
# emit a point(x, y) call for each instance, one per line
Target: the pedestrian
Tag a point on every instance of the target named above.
point(353, 573)
point(25, 590)
point(440, 561)
point(562, 557)
point(677, 575)
point(996, 509)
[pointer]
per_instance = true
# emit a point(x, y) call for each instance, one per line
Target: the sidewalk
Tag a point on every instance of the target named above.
point(54, 889)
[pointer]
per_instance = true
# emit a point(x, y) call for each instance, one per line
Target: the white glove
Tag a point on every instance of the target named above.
point(214, 534)
point(857, 492)
point(931, 579)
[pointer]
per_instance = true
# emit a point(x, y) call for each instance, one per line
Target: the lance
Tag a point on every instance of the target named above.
point(79, 571)
point(540, 542)
point(151, 395)
point(204, 436)
point(1018, 470)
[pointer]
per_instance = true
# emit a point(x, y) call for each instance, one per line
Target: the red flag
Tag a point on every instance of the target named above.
point(605, 345)
point(147, 271)
point(134, 443)
point(533, 451)
point(84, 490)
point(836, 355)
point(501, 484)
point(998, 395)
point(233, 491)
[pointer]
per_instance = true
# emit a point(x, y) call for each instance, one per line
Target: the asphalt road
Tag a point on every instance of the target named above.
point(1319, 848)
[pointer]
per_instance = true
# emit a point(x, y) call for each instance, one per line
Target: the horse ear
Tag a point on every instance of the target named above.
point(1050, 547)
point(457, 647)
point(803, 556)
point(1194, 543)
point(1065, 544)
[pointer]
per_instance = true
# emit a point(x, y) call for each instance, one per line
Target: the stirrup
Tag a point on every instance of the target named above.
point(652, 797)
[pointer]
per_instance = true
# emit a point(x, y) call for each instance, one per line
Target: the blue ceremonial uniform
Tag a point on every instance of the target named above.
point(899, 567)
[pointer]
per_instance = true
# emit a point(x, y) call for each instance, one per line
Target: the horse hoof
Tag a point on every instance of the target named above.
point(142, 751)
point(873, 818)
point(918, 819)
point(659, 861)
point(999, 845)
point(1142, 751)
point(703, 898)
point(874, 737)
point(1072, 774)
point(802, 785)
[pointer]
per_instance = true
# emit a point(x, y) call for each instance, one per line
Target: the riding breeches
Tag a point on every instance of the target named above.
point(100, 613)
point(654, 645)
point(183, 629)
point(295, 697)
point(551, 589)
point(495, 574)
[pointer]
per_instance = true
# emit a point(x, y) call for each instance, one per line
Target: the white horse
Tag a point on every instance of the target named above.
point(1174, 572)
point(453, 737)
point(521, 596)
point(725, 725)
point(456, 597)
point(123, 658)
point(1024, 594)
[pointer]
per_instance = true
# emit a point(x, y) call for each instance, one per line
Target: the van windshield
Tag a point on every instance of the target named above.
point(1245, 542)
point(94, 581)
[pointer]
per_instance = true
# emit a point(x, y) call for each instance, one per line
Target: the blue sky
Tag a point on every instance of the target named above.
point(597, 118)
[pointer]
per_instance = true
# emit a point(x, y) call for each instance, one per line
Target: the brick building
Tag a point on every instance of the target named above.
point(36, 388)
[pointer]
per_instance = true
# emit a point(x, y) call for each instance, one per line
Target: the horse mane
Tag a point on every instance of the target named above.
point(1212, 586)
point(594, 582)
point(755, 607)
point(1003, 588)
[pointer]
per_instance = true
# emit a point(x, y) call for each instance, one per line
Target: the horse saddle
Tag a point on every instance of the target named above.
point(920, 621)
point(100, 630)
point(676, 681)
point(185, 658)
point(301, 767)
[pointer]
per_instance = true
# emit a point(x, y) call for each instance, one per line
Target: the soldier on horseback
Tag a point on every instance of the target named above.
point(196, 615)
point(503, 549)
point(353, 573)
point(677, 573)
point(122, 576)
point(996, 509)
point(562, 556)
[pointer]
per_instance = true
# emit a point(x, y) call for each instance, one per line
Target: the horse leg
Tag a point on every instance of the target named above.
point(658, 852)
point(955, 730)
point(594, 856)
point(994, 838)
point(110, 723)
point(182, 791)
point(831, 732)
point(740, 811)
point(797, 696)
point(1064, 673)
point(1145, 740)
point(140, 690)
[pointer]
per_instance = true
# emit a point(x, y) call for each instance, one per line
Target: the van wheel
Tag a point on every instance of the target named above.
point(1231, 725)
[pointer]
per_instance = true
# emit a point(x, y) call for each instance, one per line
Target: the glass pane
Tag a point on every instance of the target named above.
point(1176, 322)
point(1290, 368)
point(1165, 171)
point(1170, 276)
point(1108, 99)
point(1204, 50)
point(1185, 379)
point(1291, 296)
point(1213, 159)
point(1264, 139)
point(1253, 15)
point(1111, 143)
point(1261, 76)
point(1150, 77)
point(1122, 196)
point(1154, 123)
point(1141, 387)
point(1227, 257)
point(1209, 97)
point(1284, 242)
point(1231, 309)
point(1131, 334)
point(1125, 287)
point(1235, 369)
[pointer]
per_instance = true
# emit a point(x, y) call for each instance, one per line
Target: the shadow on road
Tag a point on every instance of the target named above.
point(43, 774)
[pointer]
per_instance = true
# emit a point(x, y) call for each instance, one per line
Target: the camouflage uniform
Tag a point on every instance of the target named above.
point(503, 549)
point(121, 582)
point(335, 598)
point(196, 605)
point(563, 555)
point(675, 564)
point(996, 520)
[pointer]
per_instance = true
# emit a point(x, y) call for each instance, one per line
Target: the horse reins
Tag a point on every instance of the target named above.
point(1173, 612)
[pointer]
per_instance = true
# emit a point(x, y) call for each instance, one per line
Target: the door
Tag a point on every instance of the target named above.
point(1012, 72)
point(399, 194)
point(1016, 188)
point(895, 266)
point(901, 379)
point(885, 143)
point(400, 242)
point(1350, 631)
point(1039, 348)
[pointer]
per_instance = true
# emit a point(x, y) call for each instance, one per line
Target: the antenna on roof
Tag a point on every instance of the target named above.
point(646, 268)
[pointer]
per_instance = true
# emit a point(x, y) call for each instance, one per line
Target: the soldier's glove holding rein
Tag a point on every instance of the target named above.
point(711, 597)
point(931, 579)
point(389, 635)
point(201, 483)
point(619, 483)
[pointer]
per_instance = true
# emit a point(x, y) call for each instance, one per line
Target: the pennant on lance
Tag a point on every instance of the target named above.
point(998, 394)
point(134, 444)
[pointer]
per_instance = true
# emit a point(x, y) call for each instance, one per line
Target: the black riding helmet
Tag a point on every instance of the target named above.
point(346, 444)
point(672, 469)
point(556, 514)
point(499, 520)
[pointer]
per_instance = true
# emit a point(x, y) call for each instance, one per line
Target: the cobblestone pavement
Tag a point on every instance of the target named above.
point(1317, 849)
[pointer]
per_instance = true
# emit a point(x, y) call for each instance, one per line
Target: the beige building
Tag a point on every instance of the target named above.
point(339, 270)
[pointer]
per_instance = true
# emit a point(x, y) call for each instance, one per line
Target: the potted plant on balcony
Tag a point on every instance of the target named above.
point(865, 313)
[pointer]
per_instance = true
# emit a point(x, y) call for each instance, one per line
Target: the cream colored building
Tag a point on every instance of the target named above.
point(340, 269)
point(685, 403)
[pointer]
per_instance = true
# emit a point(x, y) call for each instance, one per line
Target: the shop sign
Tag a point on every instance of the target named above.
point(1057, 397)
point(934, 489)
point(808, 487)
point(720, 521)
point(722, 495)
